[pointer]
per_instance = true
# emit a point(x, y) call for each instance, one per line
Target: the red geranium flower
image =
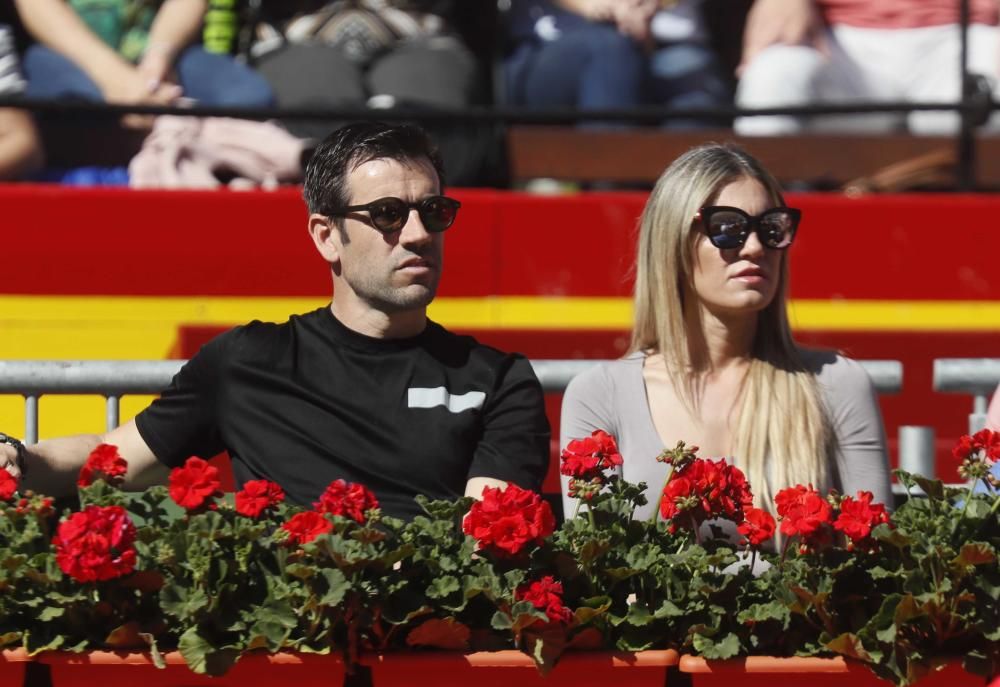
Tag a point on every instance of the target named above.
point(983, 444)
point(303, 527)
point(350, 500)
point(757, 526)
point(802, 510)
point(546, 594)
point(8, 485)
point(509, 519)
point(96, 544)
point(195, 485)
point(705, 489)
point(859, 515)
point(104, 462)
point(587, 459)
point(257, 496)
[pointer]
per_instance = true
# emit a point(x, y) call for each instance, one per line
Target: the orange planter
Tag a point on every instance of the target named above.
point(107, 669)
point(507, 668)
point(12, 666)
point(765, 671)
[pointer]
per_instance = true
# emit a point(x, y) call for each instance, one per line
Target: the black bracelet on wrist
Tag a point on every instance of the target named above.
point(22, 452)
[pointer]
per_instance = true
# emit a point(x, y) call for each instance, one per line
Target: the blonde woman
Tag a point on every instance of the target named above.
point(713, 362)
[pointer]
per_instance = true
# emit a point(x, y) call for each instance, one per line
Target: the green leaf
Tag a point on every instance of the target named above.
point(50, 613)
point(773, 610)
point(713, 648)
point(443, 586)
point(638, 615)
point(975, 553)
point(337, 586)
point(849, 644)
point(934, 488)
point(202, 657)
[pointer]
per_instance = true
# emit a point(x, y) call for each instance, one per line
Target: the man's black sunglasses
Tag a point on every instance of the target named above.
point(729, 227)
point(389, 214)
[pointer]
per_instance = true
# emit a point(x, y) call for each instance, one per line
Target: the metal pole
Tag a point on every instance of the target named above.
point(916, 449)
point(111, 404)
point(31, 419)
point(966, 171)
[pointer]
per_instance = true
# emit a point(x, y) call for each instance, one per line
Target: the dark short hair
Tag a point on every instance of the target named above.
point(351, 146)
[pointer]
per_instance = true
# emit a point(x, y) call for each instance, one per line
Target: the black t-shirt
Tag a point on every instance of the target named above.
point(309, 401)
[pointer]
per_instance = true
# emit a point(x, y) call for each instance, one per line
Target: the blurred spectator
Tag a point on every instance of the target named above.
point(20, 150)
point(379, 53)
point(992, 422)
point(799, 52)
point(382, 54)
point(685, 72)
point(993, 414)
point(130, 51)
point(612, 54)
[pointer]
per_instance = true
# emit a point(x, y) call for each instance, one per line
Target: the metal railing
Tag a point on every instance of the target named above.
point(113, 379)
point(977, 377)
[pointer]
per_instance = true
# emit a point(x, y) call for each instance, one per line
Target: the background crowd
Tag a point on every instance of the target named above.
point(689, 57)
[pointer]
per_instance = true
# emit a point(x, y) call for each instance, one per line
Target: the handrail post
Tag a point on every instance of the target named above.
point(31, 419)
point(111, 411)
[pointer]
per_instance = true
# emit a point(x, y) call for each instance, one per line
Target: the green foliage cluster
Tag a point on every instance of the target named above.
point(217, 584)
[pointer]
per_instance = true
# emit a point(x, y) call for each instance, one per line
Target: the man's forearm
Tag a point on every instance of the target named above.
point(52, 466)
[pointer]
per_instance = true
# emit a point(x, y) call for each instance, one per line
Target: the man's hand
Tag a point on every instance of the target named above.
point(8, 460)
point(784, 22)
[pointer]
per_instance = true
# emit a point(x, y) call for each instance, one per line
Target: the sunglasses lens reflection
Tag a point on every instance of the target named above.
point(727, 229)
point(776, 230)
point(438, 213)
point(389, 214)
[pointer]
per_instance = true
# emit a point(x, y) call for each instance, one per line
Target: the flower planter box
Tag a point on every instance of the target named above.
point(12, 666)
point(766, 671)
point(109, 669)
point(506, 668)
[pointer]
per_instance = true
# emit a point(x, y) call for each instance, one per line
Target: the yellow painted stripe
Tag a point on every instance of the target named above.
point(153, 316)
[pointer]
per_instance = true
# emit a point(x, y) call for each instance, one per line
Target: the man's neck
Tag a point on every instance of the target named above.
point(378, 324)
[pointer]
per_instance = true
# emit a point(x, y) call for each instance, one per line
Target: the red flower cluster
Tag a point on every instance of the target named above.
point(509, 519)
point(546, 594)
point(39, 505)
point(350, 500)
point(195, 485)
point(257, 496)
point(983, 444)
point(859, 515)
point(802, 511)
point(757, 526)
point(96, 544)
point(705, 489)
point(303, 527)
point(587, 459)
point(104, 462)
point(8, 485)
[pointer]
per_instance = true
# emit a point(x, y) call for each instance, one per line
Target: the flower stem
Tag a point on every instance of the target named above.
point(659, 500)
point(784, 551)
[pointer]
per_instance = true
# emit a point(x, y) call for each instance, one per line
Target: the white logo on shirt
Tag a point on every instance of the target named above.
point(440, 396)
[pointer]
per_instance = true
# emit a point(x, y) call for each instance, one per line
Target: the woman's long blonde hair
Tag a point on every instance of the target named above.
point(783, 433)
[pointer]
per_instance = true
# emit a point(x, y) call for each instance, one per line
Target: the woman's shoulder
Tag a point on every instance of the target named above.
point(603, 376)
point(838, 375)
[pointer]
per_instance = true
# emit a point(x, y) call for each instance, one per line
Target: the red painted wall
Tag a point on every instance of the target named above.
point(906, 247)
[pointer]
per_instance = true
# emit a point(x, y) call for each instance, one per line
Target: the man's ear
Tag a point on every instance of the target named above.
point(326, 237)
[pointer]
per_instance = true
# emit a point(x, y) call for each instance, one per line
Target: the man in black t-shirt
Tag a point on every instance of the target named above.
point(366, 389)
